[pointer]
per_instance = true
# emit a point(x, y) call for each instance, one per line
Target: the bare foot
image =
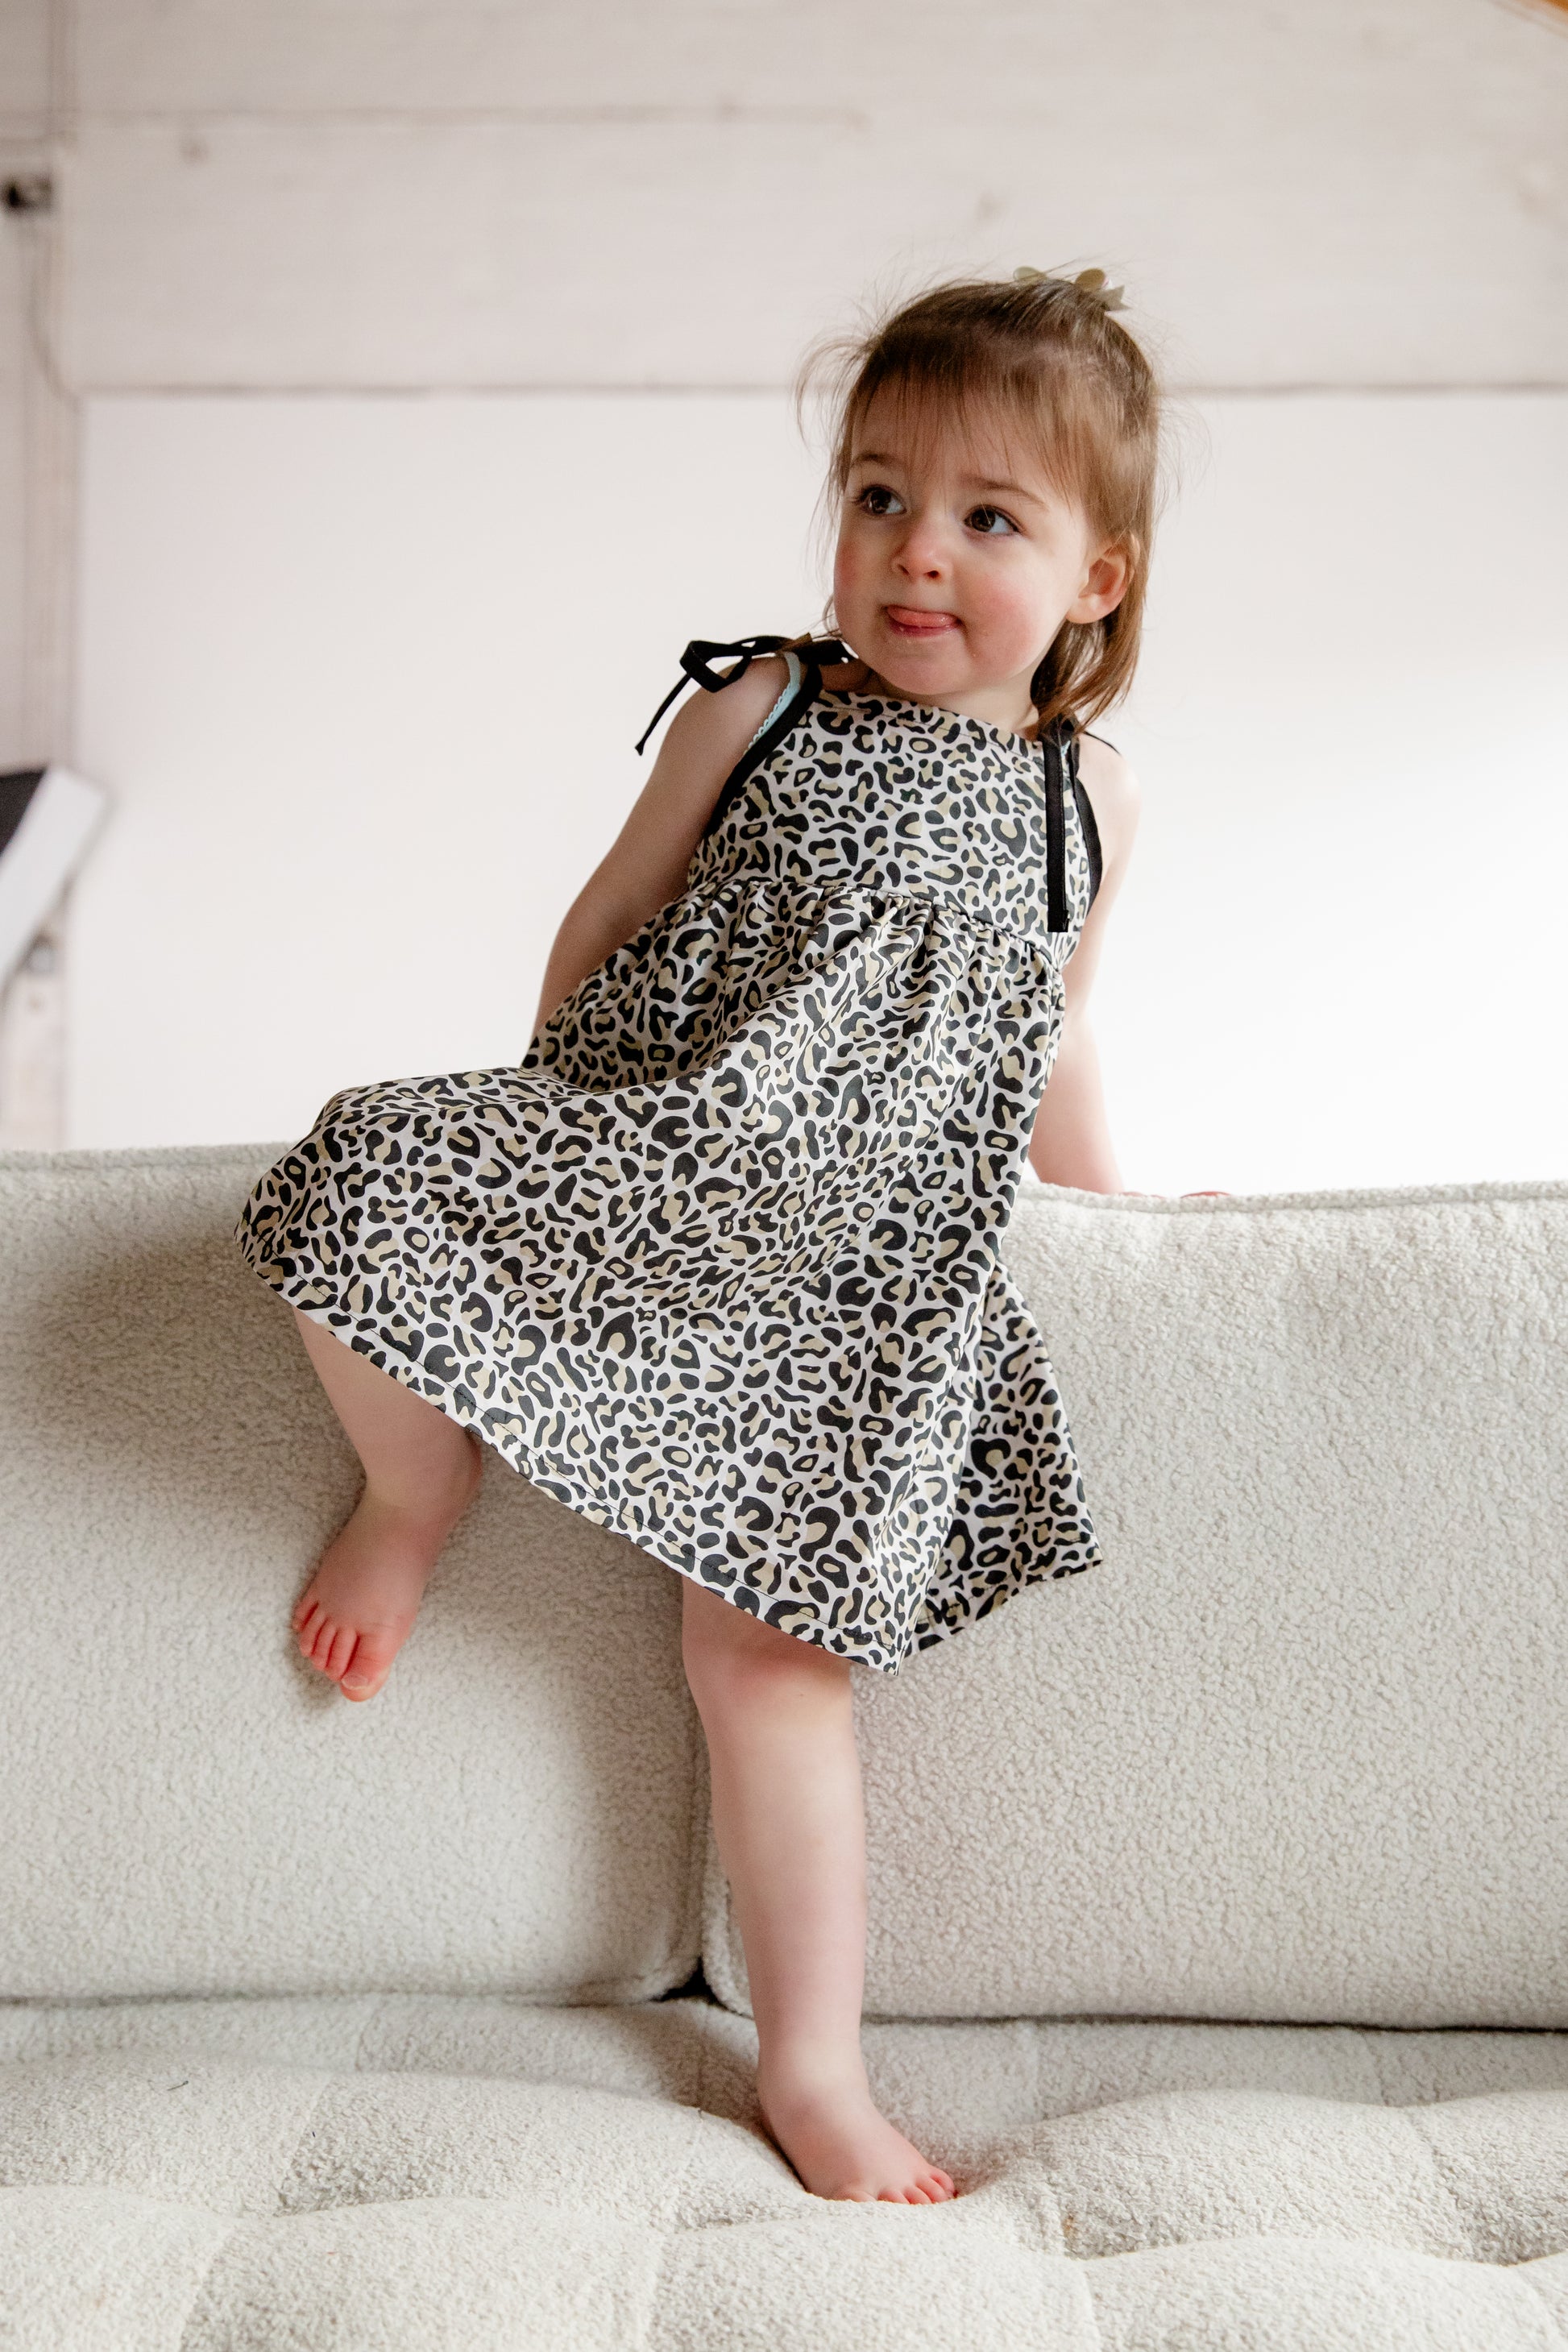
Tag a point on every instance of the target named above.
point(839, 2145)
point(357, 1611)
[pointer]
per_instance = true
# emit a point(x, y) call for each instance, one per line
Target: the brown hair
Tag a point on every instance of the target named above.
point(1046, 351)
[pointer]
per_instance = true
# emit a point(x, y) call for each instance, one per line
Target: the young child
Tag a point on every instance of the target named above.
point(717, 1264)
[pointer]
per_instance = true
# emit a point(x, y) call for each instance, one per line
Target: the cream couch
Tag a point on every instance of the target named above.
point(1219, 1896)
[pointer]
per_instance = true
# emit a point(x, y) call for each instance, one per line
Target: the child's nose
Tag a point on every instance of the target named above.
point(922, 553)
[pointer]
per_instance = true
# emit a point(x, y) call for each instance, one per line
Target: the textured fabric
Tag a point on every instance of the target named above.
point(1299, 1747)
point(189, 1806)
point(1321, 1733)
point(716, 1267)
point(1296, 1752)
point(388, 2175)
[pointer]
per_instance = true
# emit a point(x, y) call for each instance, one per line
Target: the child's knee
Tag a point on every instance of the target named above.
point(729, 1654)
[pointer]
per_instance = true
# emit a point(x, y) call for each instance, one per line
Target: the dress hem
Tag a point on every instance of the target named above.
point(397, 1368)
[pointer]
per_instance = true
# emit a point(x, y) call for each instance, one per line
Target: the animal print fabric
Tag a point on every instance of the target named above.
point(716, 1264)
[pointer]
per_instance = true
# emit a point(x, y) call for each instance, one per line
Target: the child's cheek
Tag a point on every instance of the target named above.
point(1014, 615)
point(986, 609)
point(851, 577)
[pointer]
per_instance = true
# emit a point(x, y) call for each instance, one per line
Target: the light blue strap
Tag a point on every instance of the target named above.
point(795, 673)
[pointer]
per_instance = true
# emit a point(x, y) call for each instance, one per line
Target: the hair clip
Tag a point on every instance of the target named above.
point(1092, 281)
point(1088, 282)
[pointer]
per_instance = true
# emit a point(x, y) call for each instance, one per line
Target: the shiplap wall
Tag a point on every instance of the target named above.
point(598, 192)
point(279, 230)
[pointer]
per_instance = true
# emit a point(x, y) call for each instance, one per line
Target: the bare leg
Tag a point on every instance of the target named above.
point(420, 1472)
point(790, 1822)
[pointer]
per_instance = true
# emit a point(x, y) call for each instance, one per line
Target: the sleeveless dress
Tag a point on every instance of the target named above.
point(716, 1264)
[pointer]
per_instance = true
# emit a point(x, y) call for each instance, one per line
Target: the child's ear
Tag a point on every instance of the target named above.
point(1105, 583)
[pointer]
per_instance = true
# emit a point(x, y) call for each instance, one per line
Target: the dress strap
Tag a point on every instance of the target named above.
point(1054, 754)
point(697, 659)
point(804, 684)
point(1059, 751)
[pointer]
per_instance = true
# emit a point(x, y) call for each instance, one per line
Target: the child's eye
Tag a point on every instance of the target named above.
point(991, 520)
point(877, 499)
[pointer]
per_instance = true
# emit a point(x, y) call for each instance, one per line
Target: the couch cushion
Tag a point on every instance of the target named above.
point(414, 2171)
point(1299, 1749)
point(968, 2083)
point(190, 1808)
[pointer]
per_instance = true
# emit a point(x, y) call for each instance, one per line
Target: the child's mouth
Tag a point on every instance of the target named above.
point(910, 621)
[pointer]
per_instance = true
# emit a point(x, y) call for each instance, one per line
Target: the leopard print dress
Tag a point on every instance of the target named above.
point(716, 1264)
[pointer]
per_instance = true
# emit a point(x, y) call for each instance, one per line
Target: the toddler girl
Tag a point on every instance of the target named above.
point(717, 1264)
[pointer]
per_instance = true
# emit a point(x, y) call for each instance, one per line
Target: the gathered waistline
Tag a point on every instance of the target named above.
point(849, 887)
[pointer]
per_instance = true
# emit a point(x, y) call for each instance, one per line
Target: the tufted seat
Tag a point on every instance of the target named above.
point(1219, 1953)
point(481, 2172)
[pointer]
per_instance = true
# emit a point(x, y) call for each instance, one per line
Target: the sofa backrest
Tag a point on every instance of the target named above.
point(1296, 1750)
point(1298, 1747)
point(189, 1807)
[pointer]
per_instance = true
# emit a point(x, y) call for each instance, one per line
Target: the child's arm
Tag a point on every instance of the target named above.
point(1071, 1141)
point(645, 866)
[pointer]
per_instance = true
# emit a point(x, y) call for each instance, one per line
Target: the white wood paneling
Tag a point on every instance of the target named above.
point(333, 197)
point(33, 1044)
point(1211, 59)
point(25, 72)
point(1342, 957)
point(12, 490)
point(36, 509)
point(365, 676)
point(299, 613)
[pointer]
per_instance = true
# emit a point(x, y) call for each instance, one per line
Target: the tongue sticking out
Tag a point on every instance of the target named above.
point(910, 622)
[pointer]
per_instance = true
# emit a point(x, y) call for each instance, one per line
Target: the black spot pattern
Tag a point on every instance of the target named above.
point(716, 1266)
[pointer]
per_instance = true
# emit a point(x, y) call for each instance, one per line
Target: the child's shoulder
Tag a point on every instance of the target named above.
point(712, 730)
point(1109, 777)
point(725, 717)
point(1114, 794)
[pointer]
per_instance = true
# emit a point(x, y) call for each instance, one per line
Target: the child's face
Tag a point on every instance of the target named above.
point(958, 561)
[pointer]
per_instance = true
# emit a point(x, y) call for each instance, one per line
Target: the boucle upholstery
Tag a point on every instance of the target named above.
point(411, 2094)
point(516, 1811)
point(1299, 1749)
point(412, 2172)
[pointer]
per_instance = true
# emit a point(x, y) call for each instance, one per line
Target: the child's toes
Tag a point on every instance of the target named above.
point(339, 1650)
point(371, 1664)
point(316, 1639)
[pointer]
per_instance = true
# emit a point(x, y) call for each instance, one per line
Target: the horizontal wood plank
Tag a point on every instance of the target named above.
point(337, 256)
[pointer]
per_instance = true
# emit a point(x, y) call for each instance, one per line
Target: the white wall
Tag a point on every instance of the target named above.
point(329, 291)
point(453, 192)
point(365, 677)
point(1341, 954)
